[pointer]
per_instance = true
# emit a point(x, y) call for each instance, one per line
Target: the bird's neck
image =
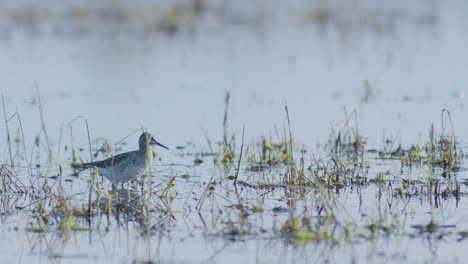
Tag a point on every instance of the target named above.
point(146, 150)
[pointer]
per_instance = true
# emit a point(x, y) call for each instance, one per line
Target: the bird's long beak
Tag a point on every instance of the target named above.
point(161, 145)
point(154, 142)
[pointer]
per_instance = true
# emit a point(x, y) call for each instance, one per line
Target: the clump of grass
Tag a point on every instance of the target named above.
point(440, 151)
point(444, 152)
point(227, 155)
point(334, 172)
point(279, 156)
point(228, 144)
point(347, 143)
point(269, 155)
point(10, 183)
point(293, 175)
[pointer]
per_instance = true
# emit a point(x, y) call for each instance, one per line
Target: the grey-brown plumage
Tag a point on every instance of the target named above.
point(130, 165)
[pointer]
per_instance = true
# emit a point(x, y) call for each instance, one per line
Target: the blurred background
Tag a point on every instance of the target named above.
point(385, 68)
point(168, 66)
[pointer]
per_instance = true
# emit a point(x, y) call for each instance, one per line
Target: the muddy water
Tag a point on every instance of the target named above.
point(396, 65)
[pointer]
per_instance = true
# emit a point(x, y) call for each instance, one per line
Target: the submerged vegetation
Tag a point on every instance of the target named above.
point(299, 193)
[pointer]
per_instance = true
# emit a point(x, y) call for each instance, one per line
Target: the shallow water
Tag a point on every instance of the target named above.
point(397, 65)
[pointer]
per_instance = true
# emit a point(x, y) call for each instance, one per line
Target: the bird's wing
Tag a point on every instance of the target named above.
point(112, 161)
